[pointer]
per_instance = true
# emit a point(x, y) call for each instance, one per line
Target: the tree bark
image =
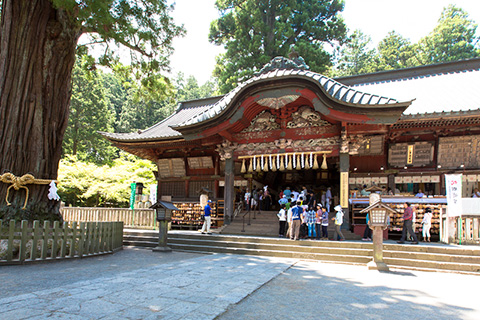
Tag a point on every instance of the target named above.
point(37, 53)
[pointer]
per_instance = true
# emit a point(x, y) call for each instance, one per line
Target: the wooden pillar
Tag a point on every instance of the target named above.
point(229, 192)
point(344, 189)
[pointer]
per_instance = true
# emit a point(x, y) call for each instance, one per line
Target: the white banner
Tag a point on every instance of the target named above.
point(153, 194)
point(453, 184)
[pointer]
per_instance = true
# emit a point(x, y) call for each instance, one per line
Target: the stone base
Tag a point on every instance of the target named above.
point(380, 266)
point(162, 249)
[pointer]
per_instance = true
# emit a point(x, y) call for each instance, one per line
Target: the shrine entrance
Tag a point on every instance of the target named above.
point(306, 171)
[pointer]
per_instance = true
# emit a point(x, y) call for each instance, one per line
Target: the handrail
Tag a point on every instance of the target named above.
point(243, 219)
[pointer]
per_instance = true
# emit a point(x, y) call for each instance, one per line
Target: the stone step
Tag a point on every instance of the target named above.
point(424, 256)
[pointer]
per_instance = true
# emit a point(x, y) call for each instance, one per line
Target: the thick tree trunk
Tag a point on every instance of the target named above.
point(37, 53)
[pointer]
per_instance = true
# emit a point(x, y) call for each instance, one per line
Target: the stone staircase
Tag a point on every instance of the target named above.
point(430, 257)
point(266, 224)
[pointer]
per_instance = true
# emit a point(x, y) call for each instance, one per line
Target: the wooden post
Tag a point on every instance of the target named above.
point(344, 169)
point(36, 236)
point(23, 240)
point(229, 190)
point(11, 233)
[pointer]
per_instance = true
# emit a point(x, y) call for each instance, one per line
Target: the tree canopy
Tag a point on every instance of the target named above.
point(39, 42)
point(255, 31)
point(454, 38)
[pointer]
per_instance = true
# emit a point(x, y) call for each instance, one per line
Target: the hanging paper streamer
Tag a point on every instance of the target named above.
point(293, 161)
point(310, 162)
point(290, 165)
point(324, 163)
point(261, 161)
point(244, 169)
point(254, 163)
point(250, 166)
point(303, 160)
point(315, 163)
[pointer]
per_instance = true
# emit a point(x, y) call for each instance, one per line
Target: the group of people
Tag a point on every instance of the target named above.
point(408, 219)
point(259, 198)
point(301, 217)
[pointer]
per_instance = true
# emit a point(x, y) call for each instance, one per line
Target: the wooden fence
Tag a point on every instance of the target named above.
point(26, 242)
point(138, 218)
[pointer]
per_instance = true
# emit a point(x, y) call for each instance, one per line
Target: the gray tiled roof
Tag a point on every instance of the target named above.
point(163, 130)
point(333, 88)
point(451, 91)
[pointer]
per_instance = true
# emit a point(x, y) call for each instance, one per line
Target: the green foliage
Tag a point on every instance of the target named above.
point(254, 32)
point(189, 89)
point(454, 38)
point(395, 52)
point(88, 185)
point(90, 111)
point(355, 57)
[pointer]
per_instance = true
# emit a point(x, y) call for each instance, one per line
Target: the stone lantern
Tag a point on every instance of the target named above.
point(378, 213)
point(163, 210)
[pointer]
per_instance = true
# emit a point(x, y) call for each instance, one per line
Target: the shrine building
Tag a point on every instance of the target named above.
point(288, 126)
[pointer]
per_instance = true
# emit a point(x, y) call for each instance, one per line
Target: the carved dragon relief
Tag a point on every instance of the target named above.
point(306, 117)
point(226, 149)
point(264, 121)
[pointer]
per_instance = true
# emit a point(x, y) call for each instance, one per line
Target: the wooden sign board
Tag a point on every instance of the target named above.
point(472, 178)
point(200, 162)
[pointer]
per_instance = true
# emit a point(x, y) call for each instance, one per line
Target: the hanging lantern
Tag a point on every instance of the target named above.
point(315, 163)
point(250, 167)
point(259, 167)
point(290, 165)
point(265, 166)
point(299, 165)
point(324, 162)
point(244, 169)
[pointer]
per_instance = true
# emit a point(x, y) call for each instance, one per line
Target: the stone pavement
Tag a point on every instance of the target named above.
point(140, 284)
point(315, 290)
point(134, 284)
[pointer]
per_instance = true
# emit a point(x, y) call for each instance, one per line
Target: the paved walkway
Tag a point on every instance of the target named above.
point(140, 284)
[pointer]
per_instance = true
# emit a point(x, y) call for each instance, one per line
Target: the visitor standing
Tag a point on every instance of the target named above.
point(408, 224)
point(367, 234)
point(324, 223)
point(310, 220)
point(426, 224)
point(318, 221)
point(297, 211)
point(282, 219)
point(338, 224)
point(287, 192)
point(208, 219)
point(328, 198)
point(247, 197)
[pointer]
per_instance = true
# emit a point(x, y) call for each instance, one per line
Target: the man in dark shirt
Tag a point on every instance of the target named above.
point(408, 224)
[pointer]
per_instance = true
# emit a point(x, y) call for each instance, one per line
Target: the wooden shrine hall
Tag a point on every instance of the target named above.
point(288, 126)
